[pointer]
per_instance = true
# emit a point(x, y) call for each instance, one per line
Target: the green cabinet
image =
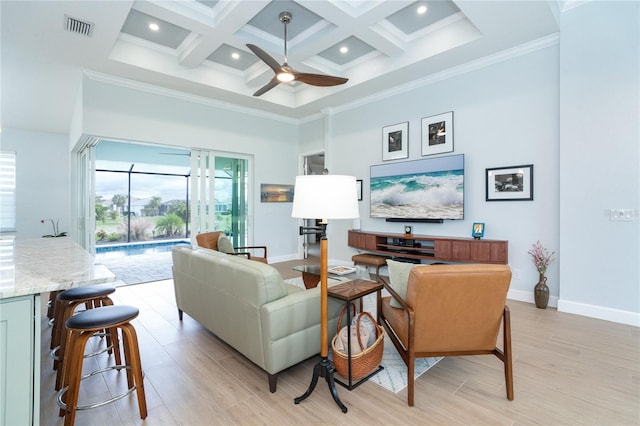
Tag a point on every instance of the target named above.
point(20, 360)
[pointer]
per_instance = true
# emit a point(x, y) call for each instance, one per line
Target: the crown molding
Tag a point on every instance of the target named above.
point(188, 97)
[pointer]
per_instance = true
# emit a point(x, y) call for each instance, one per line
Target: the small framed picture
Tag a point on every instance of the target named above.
point(275, 193)
point(395, 141)
point(437, 134)
point(477, 231)
point(359, 189)
point(513, 183)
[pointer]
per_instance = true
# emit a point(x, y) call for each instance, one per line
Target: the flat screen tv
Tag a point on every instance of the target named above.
point(427, 190)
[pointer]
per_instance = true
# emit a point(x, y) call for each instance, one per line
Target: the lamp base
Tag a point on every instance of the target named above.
point(324, 368)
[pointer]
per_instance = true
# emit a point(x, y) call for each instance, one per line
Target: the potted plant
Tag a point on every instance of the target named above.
point(55, 229)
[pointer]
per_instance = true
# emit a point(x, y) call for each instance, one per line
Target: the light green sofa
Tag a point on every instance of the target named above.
point(246, 304)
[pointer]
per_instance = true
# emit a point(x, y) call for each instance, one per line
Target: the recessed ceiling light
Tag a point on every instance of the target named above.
point(344, 49)
point(154, 27)
point(235, 55)
point(422, 10)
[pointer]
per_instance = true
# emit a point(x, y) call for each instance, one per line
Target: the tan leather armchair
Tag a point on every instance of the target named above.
point(451, 310)
point(210, 240)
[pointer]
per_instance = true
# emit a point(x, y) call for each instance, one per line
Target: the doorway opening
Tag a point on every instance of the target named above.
point(135, 202)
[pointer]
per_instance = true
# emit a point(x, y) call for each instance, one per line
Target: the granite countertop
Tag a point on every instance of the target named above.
point(33, 266)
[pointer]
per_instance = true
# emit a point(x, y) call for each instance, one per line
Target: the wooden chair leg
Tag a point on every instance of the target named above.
point(410, 378)
point(508, 354)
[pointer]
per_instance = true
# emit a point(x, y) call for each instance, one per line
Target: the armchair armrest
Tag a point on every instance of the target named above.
point(246, 251)
point(241, 253)
point(244, 248)
point(408, 312)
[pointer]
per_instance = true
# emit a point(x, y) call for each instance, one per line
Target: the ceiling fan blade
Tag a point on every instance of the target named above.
point(265, 57)
point(319, 79)
point(270, 85)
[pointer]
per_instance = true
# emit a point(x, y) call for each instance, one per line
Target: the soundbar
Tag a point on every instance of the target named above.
point(398, 219)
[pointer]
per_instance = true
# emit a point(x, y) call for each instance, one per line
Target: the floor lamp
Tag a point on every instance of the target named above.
point(324, 197)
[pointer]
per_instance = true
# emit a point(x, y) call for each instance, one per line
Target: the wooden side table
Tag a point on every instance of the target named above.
point(350, 291)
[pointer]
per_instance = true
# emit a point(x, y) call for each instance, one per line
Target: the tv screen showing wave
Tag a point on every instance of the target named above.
point(431, 188)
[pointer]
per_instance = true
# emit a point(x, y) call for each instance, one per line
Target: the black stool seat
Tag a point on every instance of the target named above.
point(80, 328)
point(86, 292)
point(103, 317)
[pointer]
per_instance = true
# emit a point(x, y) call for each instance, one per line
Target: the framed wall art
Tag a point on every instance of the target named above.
point(276, 193)
point(510, 183)
point(359, 188)
point(437, 134)
point(395, 141)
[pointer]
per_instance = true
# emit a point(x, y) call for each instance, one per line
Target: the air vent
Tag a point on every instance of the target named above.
point(77, 26)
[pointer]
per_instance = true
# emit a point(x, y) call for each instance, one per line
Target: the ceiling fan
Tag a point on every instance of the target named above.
point(284, 73)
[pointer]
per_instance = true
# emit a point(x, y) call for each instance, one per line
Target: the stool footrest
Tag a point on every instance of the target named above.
point(62, 391)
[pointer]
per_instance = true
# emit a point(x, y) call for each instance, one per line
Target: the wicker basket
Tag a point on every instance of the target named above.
point(366, 361)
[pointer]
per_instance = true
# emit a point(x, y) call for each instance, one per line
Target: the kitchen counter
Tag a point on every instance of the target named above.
point(34, 266)
point(28, 268)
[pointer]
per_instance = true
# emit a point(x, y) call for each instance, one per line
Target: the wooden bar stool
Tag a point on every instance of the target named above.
point(80, 328)
point(65, 306)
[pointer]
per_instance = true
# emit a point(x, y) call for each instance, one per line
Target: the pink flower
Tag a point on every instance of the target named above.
point(541, 257)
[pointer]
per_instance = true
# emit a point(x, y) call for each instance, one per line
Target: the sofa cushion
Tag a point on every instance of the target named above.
point(398, 277)
point(224, 244)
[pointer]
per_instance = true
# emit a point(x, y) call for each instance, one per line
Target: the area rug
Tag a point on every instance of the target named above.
point(394, 375)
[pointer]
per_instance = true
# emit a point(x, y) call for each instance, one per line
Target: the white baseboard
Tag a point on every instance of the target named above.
point(285, 258)
point(591, 311)
point(527, 296)
point(600, 312)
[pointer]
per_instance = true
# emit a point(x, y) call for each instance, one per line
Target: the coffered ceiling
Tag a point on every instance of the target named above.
point(199, 48)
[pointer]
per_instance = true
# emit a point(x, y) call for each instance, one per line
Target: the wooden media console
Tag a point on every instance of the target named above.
point(424, 247)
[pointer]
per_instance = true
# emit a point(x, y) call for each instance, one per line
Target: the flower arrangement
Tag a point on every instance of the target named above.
point(541, 257)
point(55, 229)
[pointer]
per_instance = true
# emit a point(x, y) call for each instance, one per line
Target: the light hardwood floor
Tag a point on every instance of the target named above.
point(568, 370)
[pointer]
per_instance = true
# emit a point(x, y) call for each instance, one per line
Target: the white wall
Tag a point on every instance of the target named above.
point(599, 160)
point(505, 114)
point(128, 114)
point(42, 180)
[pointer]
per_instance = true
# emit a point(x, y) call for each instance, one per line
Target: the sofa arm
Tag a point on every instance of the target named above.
point(296, 312)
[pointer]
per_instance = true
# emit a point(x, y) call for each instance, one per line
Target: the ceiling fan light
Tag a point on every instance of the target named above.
point(285, 77)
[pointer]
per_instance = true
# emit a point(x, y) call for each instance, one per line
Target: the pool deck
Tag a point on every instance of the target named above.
point(140, 268)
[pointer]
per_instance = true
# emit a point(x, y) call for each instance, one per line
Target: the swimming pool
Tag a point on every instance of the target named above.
point(131, 249)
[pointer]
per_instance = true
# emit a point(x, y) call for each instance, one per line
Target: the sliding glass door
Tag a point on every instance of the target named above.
point(219, 195)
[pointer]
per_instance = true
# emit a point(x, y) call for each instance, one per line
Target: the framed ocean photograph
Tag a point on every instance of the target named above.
point(276, 193)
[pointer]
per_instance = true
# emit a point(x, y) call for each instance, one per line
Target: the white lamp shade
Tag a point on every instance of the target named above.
point(325, 197)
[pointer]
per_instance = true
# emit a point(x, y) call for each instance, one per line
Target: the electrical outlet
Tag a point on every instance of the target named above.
point(516, 274)
point(621, 215)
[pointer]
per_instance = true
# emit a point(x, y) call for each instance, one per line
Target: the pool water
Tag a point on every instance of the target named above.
point(133, 249)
